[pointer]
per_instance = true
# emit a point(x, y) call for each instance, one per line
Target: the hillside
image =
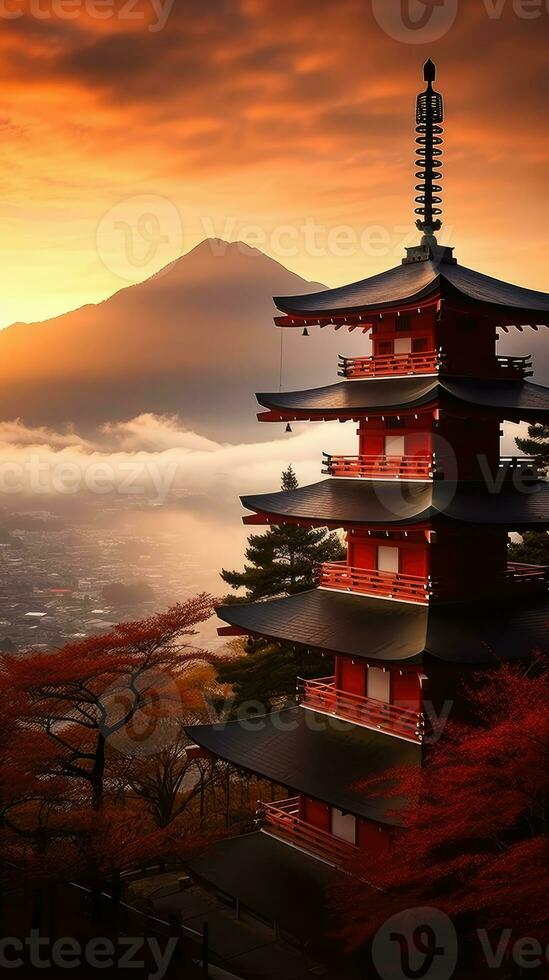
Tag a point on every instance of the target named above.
point(196, 339)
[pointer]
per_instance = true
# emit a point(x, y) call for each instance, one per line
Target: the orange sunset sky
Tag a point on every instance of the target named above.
point(247, 119)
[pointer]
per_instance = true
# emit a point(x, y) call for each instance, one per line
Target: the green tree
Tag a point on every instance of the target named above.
point(534, 547)
point(282, 561)
point(536, 444)
point(266, 673)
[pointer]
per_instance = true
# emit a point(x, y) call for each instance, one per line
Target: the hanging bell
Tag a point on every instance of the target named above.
point(305, 332)
point(289, 428)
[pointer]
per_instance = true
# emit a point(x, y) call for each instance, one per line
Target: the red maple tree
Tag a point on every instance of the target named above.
point(108, 688)
point(69, 718)
point(475, 822)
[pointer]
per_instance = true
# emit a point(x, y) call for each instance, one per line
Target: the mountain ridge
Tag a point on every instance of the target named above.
point(196, 339)
point(205, 244)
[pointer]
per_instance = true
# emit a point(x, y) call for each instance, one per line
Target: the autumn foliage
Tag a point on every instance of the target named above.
point(474, 843)
point(82, 729)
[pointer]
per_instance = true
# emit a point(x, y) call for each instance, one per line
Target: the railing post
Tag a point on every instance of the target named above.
point(260, 815)
point(323, 695)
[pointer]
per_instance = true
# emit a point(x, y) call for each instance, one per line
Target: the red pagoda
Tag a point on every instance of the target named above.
point(427, 593)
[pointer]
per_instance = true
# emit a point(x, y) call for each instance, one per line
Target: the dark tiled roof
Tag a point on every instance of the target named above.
point(513, 399)
point(314, 754)
point(514, 396)
point(339, 502)
point(416, 281)
point(278, 882)
point(478, 632)
point(399, 632)
point(515, 508)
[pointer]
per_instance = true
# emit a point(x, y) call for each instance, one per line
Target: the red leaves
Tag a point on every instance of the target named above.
point(71, 721)
point(474, 841)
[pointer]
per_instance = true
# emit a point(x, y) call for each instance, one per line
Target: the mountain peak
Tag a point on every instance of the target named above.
point(216, 261)
point(195, 339)
point(220, 248)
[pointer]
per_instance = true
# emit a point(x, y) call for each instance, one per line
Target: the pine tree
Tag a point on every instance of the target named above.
point(280, 562)
point(534, 547)
point(283, 560)
point(263, 673)
point(537, 444)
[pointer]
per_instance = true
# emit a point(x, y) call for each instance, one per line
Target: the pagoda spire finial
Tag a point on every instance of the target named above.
point(429, 117)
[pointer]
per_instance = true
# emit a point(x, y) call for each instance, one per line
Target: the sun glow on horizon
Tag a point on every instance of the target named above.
point(302, 117)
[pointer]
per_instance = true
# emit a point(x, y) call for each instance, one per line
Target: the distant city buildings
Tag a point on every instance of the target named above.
point(53, 582)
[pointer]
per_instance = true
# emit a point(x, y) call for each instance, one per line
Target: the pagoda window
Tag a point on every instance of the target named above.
point(394, 445)
point(396, 440)
point(388, 559)
point(344, 826)
point(420, 344)
point(379, 684)
point(403, 345)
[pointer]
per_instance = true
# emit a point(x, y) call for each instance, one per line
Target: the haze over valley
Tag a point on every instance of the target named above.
point(129, 430)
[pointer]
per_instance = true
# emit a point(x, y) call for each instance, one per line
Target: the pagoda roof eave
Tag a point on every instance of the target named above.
point(414, 283)
point(509, 399)
point(404, 284)
point(313, 754)
point(392, 504)
point(362, 316)
point(407, 634)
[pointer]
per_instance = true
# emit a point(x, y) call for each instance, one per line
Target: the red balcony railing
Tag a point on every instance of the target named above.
point(518, 367)
point(387, 365)
point(282, 820)
point(518, 574)
point(420, 467)
point(424, 362)
point(322, 695)
point(370, 581)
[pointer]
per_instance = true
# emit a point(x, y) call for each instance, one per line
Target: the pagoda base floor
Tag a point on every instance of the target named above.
point(283, 886)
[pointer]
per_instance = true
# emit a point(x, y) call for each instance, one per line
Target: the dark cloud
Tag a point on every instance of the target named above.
point(323, 65)
point(293, 107)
